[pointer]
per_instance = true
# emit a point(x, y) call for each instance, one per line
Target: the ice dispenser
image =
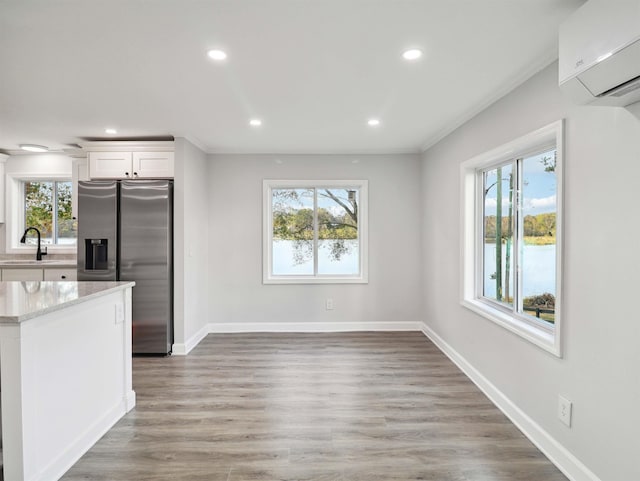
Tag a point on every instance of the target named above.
point(96, 254)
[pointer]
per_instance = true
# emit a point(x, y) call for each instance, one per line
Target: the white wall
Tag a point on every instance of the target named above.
point(191, 246)
point(237, 295)
point(58, 164)
point(600, 370)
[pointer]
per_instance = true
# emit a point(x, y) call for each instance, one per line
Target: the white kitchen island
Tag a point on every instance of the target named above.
point(65, 371)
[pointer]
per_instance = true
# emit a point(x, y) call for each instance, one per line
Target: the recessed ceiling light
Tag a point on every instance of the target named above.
point(373, 122)
point(412, 54)
point(217, 54)
point(255, 122)
point(110, 131)
point(34, 148)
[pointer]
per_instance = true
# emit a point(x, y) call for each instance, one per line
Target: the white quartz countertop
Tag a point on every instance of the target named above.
point(32, 263)
point(23, 300)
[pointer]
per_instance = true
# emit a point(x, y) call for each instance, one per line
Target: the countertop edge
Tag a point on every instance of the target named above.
point(44, 265)
point(17, 319)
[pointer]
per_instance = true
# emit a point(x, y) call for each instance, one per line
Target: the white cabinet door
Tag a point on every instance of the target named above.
point(131, 165)
point(110, 165)
point(60, 275)
point(21, 274)
point(153, 165)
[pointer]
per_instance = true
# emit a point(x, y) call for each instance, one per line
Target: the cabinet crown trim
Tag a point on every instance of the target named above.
point(129, 146)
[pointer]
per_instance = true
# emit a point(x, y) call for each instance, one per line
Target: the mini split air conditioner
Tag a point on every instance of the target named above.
point(599, 50)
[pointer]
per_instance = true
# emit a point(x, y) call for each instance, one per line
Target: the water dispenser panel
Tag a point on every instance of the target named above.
point(96, 255)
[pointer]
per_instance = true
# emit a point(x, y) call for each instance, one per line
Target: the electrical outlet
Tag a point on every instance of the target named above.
point(329, 304)
point(564, 410)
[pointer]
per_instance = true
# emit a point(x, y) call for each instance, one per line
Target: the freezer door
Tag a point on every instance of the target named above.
point(146, 237)
point(97, 231)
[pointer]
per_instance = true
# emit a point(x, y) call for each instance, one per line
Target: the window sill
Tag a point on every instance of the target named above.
point(542, 338)
point(50, 249)
point(315, 280)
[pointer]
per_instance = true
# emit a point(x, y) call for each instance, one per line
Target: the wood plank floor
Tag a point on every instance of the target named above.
point(344, 406)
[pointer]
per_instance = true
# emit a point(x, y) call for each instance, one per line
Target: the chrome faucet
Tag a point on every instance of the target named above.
point(39, 252)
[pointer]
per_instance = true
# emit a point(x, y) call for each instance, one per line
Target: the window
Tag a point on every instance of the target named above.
point(315, 232)
point(47, 207)
point(43, 201)
point(512, 235)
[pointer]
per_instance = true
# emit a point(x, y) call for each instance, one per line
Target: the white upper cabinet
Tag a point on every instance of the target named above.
point(152, 164)
point(109, 165)
point(130, 160)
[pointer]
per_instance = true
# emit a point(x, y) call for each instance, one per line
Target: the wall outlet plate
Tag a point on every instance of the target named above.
point(119, 313)
point(564, 410)
point(329, 304)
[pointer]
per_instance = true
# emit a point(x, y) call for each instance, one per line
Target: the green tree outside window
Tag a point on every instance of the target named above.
point(48, 208)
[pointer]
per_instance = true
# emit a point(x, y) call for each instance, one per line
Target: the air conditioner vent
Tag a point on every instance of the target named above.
point(624, 89)
point(599, 53)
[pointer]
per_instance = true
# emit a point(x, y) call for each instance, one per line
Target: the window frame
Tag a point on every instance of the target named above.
point(543, 334)
point(267, 244)
point(16, 212)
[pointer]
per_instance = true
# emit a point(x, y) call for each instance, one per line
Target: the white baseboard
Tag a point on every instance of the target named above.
point(240, 327)
point(130, 400)
point(566, 462)
point(180, 349)
point(84, 442)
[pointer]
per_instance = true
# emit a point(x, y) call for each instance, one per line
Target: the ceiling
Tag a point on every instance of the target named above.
point(314, 71)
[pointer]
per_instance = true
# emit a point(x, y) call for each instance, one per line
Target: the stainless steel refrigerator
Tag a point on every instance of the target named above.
point(125, 232)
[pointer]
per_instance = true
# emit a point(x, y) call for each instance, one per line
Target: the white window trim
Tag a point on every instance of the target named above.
point(267, 240)
point(14, 213)
point(540, 334)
